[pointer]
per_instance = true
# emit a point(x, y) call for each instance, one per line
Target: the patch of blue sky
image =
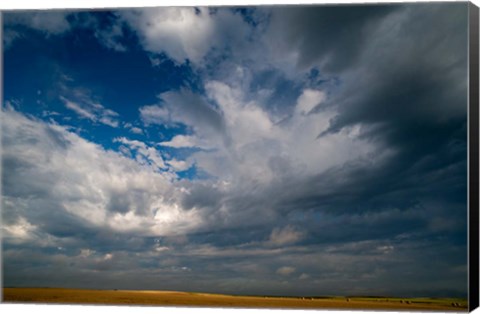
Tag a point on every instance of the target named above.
point(75, 68)
point(252, 16)
point(192, 173)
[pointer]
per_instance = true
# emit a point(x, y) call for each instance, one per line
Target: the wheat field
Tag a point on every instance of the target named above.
point(175, 298)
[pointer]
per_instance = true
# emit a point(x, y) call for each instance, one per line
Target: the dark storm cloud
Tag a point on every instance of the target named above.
point(413, 97)
point(202, 195)
point(374, 205)
point(406, 87)
point(334, 36)
point(418, 80)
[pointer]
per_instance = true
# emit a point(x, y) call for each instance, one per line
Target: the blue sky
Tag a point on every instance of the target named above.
point(258, 150)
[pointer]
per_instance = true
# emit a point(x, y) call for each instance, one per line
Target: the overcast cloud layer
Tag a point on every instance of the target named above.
point(261, 150)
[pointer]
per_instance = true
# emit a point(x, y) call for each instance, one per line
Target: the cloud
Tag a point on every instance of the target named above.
point(92, 111)
point(332, 36)
point(79, 110)
point(255, 148)
point(285, 236)
point(437, 96)
point(179, 165)
point(111, 36)
point(303, 276)
point(183, 107)
point(9, 36)
point(19, 232)
point(81, 187)
point(191, 110)
point(185, 141)
point(285, 270)
point(182, 33)
point(136, 130)
point(51, 22)
point(154, 115)
point(185, 33)
point(133, 129)
point(309, 100)
point(144, 153)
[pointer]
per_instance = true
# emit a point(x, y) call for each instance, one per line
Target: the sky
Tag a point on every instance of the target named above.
point(302, 150)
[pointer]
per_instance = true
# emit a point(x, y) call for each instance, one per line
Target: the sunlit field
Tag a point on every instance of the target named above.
point(174, 298)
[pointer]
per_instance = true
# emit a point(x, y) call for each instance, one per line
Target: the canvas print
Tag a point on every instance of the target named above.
point(303, 156)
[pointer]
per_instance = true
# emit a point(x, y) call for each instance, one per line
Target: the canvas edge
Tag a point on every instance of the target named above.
point(473, 117)
point(1, 155)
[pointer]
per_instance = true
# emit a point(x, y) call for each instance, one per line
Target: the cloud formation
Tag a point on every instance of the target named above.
point(184, 33)
point(48, 23)
point(119, 194)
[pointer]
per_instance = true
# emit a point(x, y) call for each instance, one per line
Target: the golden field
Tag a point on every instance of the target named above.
point(174, 298)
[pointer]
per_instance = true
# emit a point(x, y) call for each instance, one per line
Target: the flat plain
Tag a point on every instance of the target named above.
point(175, 298)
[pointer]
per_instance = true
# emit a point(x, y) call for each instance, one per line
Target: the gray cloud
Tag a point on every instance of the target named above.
point(333, 36)
point(187, 108)
point(51, 22)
